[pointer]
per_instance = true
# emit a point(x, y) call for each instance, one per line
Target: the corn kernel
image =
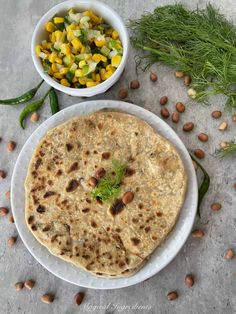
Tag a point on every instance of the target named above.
point(52, 37)
point(96, 57)
point(52, 57)
point(58, 60)
point(65, 82)
point(70, 35)
point(82, 80)
point(54, 67)
point(71, 27)
point(78, 73)
point(74, 80)
point(58, 35)
point(97, 77)
point(102, 74)
point(108, 74)
point(76, 43)
point(87, 13)
point(100, 43)
point(50, 27)
point(58, 75)
point(91, 84)
point(58, 20)
point(109, 67)
point(82, 63)
point(115, 61)
point(115, 35)
point(38, 50)
point(94, 76)
point(65, 49)
point(83, 49)
point(64, 70)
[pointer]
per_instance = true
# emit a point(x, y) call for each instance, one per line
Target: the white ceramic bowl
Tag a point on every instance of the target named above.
point(101, 9)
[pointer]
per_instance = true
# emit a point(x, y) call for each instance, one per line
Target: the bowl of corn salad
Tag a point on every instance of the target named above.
point(80, 47)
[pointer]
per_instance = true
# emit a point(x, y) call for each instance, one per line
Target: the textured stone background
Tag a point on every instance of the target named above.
point(215, 288)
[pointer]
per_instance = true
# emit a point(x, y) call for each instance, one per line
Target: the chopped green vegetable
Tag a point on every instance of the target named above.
point(69, 76)
point(200, 43)
point(108, 187)
point(228, 150)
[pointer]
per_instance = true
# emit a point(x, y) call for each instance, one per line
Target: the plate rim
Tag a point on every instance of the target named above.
point(114, 104)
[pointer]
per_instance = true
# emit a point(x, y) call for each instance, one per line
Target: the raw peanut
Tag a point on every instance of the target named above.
point(123, 93)
point(229, 254)
point(47, 298)
point(216, 114)
point(198, 233)
point(223, 126)
point(165, 113)
point(29, 284)
point(203, 137)
point(34, 117)
point(127, 197)
point(192, 93)
point(11, 146)
point(79, 298)
point(92, 181)
point(163, 100)
point(134, 84)
point(2, 174)
point(173, 295)
point(11, 219)
point(19, 286)
point(11, 241)
point(179, 74)
point(189, 281)
point(175, 117)
point(153, 77)
point(3, 211)
point(223, 144)
point(216, 206)
point(8, 195)
point(187, 80)
point(187, 127)
point(234, 117)
point(100, 173)
point(180, 107)
point(199, 153)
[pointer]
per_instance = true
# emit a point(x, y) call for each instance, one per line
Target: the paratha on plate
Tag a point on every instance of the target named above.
point(62, 214)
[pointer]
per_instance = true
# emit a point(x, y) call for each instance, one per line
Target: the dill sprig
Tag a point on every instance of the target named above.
point(227, 150)
point(200, 43)
point(108, 188)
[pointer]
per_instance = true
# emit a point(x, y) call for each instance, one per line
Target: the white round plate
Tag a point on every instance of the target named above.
point(162, 255)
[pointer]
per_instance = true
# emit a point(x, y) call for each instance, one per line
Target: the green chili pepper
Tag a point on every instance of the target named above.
point(53, 101)
point(23, 98)
point(203, 187)
point(32, 108)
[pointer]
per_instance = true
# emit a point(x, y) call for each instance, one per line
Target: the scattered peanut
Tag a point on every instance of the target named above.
point(165, 113)
point(11, 146)
point(216, 114)
point(134, 84)
point(123, 93)
point(11, 219)
point(223, 126)
point(198, 233)
point(127, 197)
point(2, 174)
point(216, 206)
point(79, 298)
point(11, 241)
point(3, 211)
point(29, 284)
point(153, 77)
point(187, 80)
point(180, 107)
point(47, 298)
point(192, 93)
point(189, 280)
point(175, 117)
point(187, 127)
point(34, 117)
point(92, 181)
point(8, 195)
point(203, 137)
point(19, 286)
point(100, 173)
point(223, 144)
point(173, 295)
point(234, 117)
point(179, 74)
point(229, 254)
point(163, 100)
point(199, 153)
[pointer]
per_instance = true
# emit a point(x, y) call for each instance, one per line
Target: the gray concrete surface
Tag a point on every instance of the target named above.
point(215, 287)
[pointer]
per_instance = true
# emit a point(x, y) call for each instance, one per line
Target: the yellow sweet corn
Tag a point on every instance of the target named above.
point(97, 77)
point(115, 61)
point(82, 80)
point(65, 49)
point(74, 80)
point(50, 27)
point(64, 70)
point(108, 74)
point(100, 43)
point(115, 35)
point(58, 75)
point(38, 50)
point(91, 84)
point(52, 57)
point(83, 49)
point(70, 35)
point(65, 82)
point(58, 60)
point(109, 67)
point(52, 37)
point(78, 73)
point(102, 74)
point(87, 13)
point(82, 63)
point(76, 43)
point(58, 35)
point(98, 57)
point(94, 76)
point(71, 27)
point(58, 20)
point(54, 67)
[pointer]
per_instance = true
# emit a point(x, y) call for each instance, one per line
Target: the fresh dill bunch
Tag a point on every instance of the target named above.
point(200, 43)
point(108, 188)
point(227, 150)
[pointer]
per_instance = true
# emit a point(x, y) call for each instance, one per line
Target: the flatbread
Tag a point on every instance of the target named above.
point(63, 216)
